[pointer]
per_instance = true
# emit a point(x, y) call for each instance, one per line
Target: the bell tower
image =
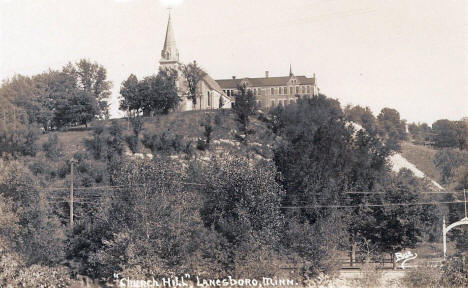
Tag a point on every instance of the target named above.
point(169, 54)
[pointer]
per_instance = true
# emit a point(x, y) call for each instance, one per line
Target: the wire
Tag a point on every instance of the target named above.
point(369, 205)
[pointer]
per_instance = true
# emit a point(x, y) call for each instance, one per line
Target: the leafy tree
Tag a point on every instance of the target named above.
point(244, 107)
point(461, 128)
point(164, 91)
point(150, 227)
point(91, 80)
point(420, 132)
point(193, 75)
point(393, 129)
point(394, 228)
point(129, 92)
point(362, 116)
point(241, 203)
point(448, 161)
point(41, 237)
point(445, 133)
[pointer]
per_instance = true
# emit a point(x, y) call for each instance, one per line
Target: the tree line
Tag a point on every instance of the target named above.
point(74, 95)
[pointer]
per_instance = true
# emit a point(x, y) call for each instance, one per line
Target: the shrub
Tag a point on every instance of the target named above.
point(132, 141)
point(53, 148)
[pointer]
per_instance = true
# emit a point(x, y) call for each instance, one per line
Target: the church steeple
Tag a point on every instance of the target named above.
point(290, 70)
point(169, 54)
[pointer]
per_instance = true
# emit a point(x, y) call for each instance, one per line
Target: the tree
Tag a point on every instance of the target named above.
point(242, 204)
point(244, 107)
point(362, 116)
point(461, 128)
point(149, 227)
point(445, 133)
point(193, 75)
point(129, 92)
point(393, 130)
point(164, 92)
point(91, 80)
point(394, 228)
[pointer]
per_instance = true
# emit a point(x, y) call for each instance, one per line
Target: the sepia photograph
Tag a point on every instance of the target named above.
point(234, 143)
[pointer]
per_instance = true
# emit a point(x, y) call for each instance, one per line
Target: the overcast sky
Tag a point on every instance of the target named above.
point(410, 55)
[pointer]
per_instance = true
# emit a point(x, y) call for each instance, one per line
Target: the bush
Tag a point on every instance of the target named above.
point(423, 277)
point(53, 148)
point(132, 141)
point(455, 272)
point(164, 143)
point(96, 144)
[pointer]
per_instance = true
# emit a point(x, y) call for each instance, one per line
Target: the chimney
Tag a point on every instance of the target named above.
point(267, 74)
point(233, 77)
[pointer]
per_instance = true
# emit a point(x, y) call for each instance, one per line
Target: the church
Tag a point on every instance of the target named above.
point(210, 94)
point(215, 94)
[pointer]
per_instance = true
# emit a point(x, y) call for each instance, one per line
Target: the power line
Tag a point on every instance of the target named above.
point(370, 205)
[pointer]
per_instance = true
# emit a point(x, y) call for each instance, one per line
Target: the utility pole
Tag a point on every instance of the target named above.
point(72, 162)
point(4, 116)
point(464, 194)
point(14, 117)
point(128, 118)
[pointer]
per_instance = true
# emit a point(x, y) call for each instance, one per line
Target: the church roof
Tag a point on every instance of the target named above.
point(169, 51)
point(266, 81)
point(169, 41)
point(214, 85)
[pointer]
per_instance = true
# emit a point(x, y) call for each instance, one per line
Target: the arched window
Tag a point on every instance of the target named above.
point(280, 90)
point(272, 91)
point(291, 90)
point(297, 89)
point(209, 98)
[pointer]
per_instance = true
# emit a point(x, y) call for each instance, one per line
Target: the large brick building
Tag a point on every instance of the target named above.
point(272, 91)
point(269, 91)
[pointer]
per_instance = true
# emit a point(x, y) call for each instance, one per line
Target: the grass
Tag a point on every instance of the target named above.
point(187, 124)
point(422, 157)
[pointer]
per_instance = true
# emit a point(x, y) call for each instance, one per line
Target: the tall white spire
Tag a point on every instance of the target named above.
point(169, 54)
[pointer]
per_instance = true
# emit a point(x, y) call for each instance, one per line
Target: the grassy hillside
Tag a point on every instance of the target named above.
point(422, 157)
point(189, 125)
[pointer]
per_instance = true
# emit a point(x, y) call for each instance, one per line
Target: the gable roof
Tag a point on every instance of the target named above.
point(212, 84)
point(261, 82)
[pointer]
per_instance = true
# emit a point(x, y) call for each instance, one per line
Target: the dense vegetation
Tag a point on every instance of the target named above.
point(282, 178)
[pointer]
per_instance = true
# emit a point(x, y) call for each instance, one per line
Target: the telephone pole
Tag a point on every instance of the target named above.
point(72, 162)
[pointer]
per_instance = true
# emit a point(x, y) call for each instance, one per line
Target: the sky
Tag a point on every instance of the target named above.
point(411, 55)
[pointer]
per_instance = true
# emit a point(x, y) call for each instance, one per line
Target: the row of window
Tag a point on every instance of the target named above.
point(276, 90)
point(281, 102)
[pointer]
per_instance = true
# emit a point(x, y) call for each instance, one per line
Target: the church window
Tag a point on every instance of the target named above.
point(209, 98)
point(297, 89)
point(280, 90)
point(272, 91)
point(291, 91)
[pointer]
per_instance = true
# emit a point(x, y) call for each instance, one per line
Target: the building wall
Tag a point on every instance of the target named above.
point(209, 99)
point(283, 95)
